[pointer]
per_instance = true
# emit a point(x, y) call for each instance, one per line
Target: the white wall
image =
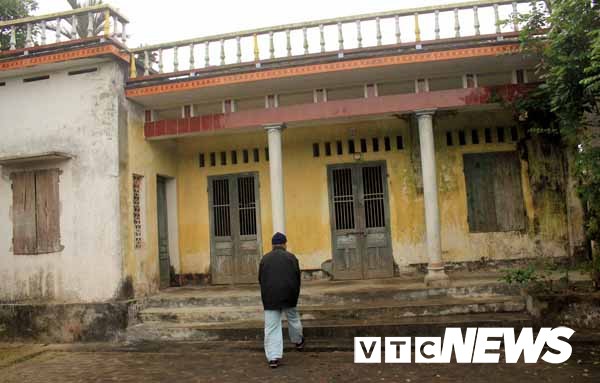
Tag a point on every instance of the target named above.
point(77, 115)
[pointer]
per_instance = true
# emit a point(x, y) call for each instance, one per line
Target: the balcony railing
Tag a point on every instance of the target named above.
point(97, 21)
point(474, 19)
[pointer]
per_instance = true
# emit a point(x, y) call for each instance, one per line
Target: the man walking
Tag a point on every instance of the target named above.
point(279, 277)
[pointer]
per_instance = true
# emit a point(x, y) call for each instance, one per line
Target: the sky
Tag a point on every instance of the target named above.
point(155, 21)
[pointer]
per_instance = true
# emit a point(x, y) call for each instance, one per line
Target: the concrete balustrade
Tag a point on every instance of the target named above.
point(97, 21)
point(474, 19)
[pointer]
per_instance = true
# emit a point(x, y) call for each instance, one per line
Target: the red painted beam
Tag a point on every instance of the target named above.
point(363, 107)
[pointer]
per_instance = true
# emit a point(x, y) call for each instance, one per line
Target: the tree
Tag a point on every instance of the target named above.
point(82, 20)
point(14, 9)
point(567, 103)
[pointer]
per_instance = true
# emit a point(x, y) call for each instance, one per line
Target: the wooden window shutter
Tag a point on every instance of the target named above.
point(24, 220)
point(47, 211)
point(494, 193)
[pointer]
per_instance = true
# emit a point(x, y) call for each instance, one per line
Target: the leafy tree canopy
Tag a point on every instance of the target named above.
point(14, 9)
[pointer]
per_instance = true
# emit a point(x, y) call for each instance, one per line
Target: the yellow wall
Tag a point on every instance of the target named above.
point(306, 194)
point(148, 159)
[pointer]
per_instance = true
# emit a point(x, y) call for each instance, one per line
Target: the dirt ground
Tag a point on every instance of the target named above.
point(191, 362)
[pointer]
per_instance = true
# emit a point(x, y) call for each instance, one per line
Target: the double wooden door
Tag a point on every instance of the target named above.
point(360, 227)
point(235, 228)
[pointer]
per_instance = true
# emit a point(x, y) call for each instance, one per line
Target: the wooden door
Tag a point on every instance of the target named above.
point(163, 233)
point(360, 227)
point(235, 229)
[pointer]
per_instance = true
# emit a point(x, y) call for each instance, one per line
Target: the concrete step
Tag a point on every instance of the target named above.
point(343, 331)
point(332, 293)
point(374, 310)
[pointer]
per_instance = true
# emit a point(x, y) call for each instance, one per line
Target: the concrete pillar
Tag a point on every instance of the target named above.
point(276, 176)
point(436, 276)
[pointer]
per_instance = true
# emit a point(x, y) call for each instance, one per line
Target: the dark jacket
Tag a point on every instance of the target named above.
point(279, 277)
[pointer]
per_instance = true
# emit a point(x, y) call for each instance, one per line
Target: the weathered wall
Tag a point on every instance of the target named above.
point(148, 159)
point(76, 115)
point(307, 201)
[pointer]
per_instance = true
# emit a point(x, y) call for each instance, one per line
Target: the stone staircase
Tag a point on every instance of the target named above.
point(333, 310)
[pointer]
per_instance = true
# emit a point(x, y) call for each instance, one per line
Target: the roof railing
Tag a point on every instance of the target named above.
point(453, 21)
point(100, 20)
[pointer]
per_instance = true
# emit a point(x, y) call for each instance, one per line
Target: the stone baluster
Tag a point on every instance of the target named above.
point(305, 34)
point(417, 28)
point(238, 43)
point(222, 51)
point(115, 26)
point(358, 34)
point(398, 35)
point(497, 19)
point(207, 54)
point(340, 37)
point(515, 14)
point(132, 66)
point(256, 49)
point(437, 24)
point(73, 27)
point(288, 42)
point(271, 46)
point(28, 37)
point(160, 61)
point(378, 28)
point(123, 33)
point(13, 38)
point(456, 24)
point(476, 21)
point(175, 59)
point(322, 37)
point(106, 23)
point(57, 31)
point(43, 32)
point(90, 26)
point(192, 58)
point(146, 63)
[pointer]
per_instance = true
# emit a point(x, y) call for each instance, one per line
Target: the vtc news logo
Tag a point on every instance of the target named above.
point(479, 345)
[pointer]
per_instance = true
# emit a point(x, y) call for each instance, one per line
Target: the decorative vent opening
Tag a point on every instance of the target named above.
point(488, 135)
point(474, 137)
point(82, 71)
point(38, 78)
point(316, 151)
point(375, 144)
point(138, 238)
point(387, 145)
point(399, 143)
point(449, 141)
point(462, 140)
point(500, 134)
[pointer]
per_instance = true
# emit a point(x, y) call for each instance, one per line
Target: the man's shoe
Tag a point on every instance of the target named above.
point(274, 363)
point(300, 346)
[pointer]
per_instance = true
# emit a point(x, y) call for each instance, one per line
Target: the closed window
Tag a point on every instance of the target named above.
point(35, 212)
point(494, 192)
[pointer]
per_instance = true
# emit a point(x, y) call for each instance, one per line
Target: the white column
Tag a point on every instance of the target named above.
point(435, 269)
point(276, 176)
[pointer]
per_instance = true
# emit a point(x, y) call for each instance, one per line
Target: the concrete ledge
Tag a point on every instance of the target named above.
point(578, 310)
point(60, 323)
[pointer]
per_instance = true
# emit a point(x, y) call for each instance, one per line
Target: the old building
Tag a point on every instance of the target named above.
point(378, 143)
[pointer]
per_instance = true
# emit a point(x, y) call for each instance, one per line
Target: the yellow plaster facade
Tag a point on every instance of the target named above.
point(307, 200)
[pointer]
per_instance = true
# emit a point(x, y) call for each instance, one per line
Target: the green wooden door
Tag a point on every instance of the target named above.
point(163, 233)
